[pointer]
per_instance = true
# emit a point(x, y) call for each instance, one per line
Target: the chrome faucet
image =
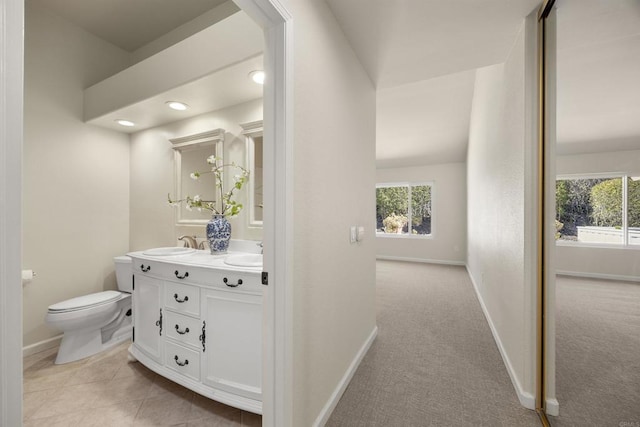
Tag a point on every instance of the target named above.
point(189, 241)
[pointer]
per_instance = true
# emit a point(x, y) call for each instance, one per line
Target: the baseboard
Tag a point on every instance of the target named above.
point(41, 346)
point(423, 260)
point(552, 407)
point(587, 275)
point(526, 399)
point(328, 408)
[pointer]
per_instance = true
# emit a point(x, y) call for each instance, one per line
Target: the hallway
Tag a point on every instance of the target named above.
point(434, 361)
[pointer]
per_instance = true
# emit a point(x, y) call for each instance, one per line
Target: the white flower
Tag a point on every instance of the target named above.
point(194, 175)
point(196, 198)
point(212, 160)
point(188, 207)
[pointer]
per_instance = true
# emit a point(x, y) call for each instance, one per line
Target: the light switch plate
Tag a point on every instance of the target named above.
point(353, 235)
point(360, 235)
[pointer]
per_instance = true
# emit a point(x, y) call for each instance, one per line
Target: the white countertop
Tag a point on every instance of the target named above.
point(198, 258)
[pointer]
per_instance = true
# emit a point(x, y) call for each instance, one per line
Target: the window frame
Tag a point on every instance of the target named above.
point(625, 210)
point(410, 184)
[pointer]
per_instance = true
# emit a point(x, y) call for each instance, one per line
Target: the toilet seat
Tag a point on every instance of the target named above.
point(85, 302)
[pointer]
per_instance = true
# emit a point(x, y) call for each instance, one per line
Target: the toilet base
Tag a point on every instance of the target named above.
point(78, 345)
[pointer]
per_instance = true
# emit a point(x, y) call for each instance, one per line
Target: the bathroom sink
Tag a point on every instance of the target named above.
point(244, 260)
point(168, 251)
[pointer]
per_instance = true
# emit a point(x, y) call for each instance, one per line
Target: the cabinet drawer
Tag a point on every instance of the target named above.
point(182, 298)
point(236, 281)
point(184, 329)
point(182, 360)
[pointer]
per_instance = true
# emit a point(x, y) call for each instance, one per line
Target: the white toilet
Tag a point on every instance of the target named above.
point(95, 322)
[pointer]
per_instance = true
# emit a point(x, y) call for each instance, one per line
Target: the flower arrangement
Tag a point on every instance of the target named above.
point(224, 205)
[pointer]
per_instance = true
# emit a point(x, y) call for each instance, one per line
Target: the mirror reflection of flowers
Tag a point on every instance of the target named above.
point(225, 204)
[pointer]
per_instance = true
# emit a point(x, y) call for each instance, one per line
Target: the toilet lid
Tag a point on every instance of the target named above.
point(86, 301)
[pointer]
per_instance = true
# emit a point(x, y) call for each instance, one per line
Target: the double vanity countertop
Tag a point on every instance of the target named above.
point(231, 261)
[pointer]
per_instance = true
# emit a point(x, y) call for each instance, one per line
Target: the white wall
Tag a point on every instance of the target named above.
point(76, 176)
point(334, 178)
point(621, 263)
point(497, 189)
point(153, 221)
point(448, 243)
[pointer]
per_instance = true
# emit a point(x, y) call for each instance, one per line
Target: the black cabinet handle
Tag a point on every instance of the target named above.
point(185, 299)
point(186, 274)
point(203, 336)
point(145, 269)
point(159, 322)
point(186, 361)
point(186, 331)
point(232, 285)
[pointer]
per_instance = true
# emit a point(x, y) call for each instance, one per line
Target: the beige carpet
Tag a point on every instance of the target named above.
point(598, 353)
point(435, 362)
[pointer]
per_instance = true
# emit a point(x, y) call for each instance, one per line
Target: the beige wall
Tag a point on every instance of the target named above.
point(622, 263)
point(497, 182)
point(76, 176)
point(153, 221)
point(334, 180)
point(449, 225)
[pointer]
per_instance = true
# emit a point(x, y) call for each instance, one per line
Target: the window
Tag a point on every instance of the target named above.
point(404, 209)
point(598, 210)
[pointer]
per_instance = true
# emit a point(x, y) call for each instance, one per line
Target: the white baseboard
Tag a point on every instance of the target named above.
point(423, 260)
point(328, 408)
point(552, 407)
point(526, 399)
point(41, 346)
point(601, 276)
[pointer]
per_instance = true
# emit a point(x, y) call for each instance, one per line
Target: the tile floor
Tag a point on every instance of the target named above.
point(106, 390)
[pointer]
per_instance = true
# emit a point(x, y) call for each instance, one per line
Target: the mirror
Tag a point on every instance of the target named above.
point(190, 155)
point(253, 133)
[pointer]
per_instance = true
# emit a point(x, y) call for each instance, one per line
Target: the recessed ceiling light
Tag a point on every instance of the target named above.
point(257, 76)
point(123, 122)
point(180, 106)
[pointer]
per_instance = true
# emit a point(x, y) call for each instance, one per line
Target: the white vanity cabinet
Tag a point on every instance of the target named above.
point(200, 326)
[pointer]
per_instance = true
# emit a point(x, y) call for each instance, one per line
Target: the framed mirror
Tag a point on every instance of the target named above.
point(190, 155)
point(253, 134)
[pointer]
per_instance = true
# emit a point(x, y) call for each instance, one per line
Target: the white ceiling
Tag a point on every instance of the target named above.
point(426, 122)
point(129, 24)
point(406, 46)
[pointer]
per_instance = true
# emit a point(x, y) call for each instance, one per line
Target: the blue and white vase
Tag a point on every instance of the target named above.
point(218, 234)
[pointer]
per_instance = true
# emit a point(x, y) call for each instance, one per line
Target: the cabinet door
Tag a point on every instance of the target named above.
point(232, 355)
point(148, 316)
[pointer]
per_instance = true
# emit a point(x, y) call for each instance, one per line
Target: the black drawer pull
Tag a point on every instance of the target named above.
point(145, 269)
point(186, 361)
point(232, 285)
point(185, 299)
point(186, 274)
point(186, 331)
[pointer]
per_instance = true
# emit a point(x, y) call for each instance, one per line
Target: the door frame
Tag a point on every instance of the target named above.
point(276, 22)
point(11, 98)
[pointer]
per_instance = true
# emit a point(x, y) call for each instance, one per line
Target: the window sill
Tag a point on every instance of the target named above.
point(405, 236)
point(568, 244)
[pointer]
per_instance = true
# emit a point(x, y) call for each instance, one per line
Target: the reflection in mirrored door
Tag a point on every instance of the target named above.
point(597, 213)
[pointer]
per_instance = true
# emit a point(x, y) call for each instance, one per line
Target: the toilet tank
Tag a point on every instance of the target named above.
point(124, 273)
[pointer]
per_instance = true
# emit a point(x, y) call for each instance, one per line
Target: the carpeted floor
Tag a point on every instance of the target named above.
point(434, 362)
point(598, 353)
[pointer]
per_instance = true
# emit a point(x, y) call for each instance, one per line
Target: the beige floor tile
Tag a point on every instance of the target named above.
point(121, 415)
point(126, 389)
point(228, 420)
point(31, 360)
point(202, 407)
point(71, 399)
point(166, 410)
point(46, 382)
point(95, 372)
point(162, 386)
point(33, 401)
point(64, 420)
point(251, 419)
